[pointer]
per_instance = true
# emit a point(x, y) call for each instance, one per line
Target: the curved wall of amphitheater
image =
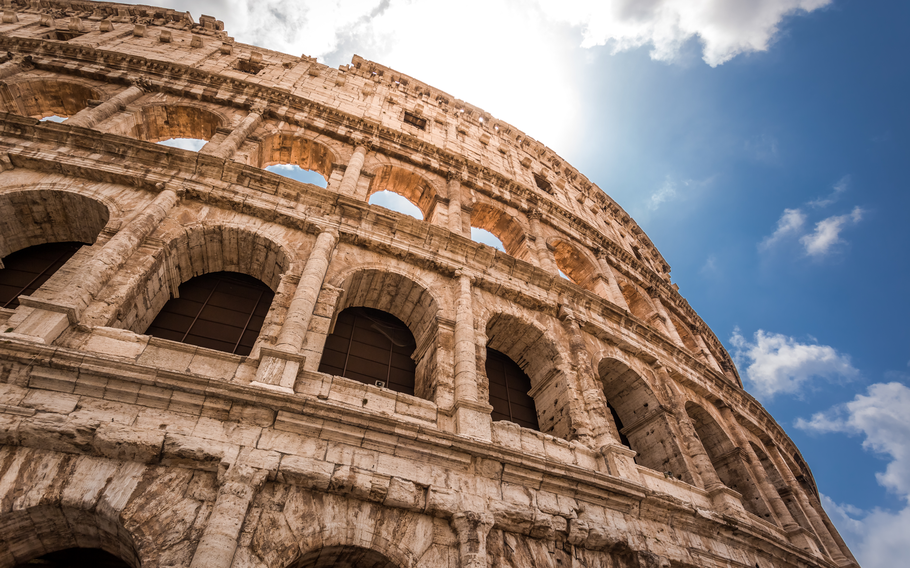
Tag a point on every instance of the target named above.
point(649, 452)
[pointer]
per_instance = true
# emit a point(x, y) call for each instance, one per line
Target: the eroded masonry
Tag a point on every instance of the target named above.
point(207, 364)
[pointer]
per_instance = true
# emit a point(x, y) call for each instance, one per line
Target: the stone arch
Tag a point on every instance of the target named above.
point(685, 334)
point(643, 420)
point(574, 263)
point(158, 122)
point(408, 299)
point(344, 557)
point(201, 248)
point(727, 460)
point(42, 529)
point(407, 183)
point(503, 226)
point(639, 304)
point(531, 346)
point(289, 148)
point(40, 98)
point(784, 491)
point(30, 217)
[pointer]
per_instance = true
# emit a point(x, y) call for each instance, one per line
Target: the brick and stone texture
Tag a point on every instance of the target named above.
point(165, 454)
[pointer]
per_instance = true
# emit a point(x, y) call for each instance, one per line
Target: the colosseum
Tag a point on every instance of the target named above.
point(206, 364)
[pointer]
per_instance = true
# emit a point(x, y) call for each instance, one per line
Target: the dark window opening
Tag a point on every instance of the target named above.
point(415, 120)
point(26, 270)
point(250, 67)
point(373, 347)
point(542, 183)
point(622, 437)
point(221, 310)
point(509, 387)
point(76, 558)
point(64, 35)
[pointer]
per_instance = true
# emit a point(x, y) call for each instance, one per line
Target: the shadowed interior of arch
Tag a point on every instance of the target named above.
point(76, 558)
point(26, 270)
point(156, 123)
point(220, 310)
point(373, 347)
point(344, 557)
point(509, 387)
point(396, 202)
point(495, 227)
point(45, 98)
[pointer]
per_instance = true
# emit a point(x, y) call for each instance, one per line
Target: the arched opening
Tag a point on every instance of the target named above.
point(727, 460)
point(686, 335)
point(410, 185)
point(783, 490)
point(220, 310)
point(638, 304)
point(641, 420)
point(502, 227)
point(534, 354)
point(509, 387)
point(397, 203)
point(344, 557)
point(76, 558)
point(401, 319)
point(156, 123)
point(34, 217)
point(575, 265)
point(47, 98)
point(201, 250)
point(373, 347)
point(485, 237)
point(296, 157)
point(26, 270)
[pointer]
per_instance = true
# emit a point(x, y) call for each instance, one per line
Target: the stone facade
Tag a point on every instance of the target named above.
point(166, 454)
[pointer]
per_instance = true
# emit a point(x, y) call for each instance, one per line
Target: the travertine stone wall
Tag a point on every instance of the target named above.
point(166, 454)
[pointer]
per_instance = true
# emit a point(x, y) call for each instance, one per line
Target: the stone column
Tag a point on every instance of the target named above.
point(758, 472)
point(471, 530)
point(278, 366)
point(89, 117)
point(544, 258)
point(665, 315)
point(614, 292)
point(815, 518)
point(352, 172)
point(706, 353)
point(218, 543)
point(53, 316)
point(453, 192)
point(472, 416)
point(225, 150)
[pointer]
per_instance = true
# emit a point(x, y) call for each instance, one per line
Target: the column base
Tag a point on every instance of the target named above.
point(619, 461)
point(472, 419)
point(727, 500)
point(278, 369)
point(47, 320)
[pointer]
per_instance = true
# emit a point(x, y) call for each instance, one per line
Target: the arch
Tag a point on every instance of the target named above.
point(574, 263)
point(407, 300)
point(503, 226)
point(344, 557)
point(727, 460)
point(784, 491)
point(639, 305)
point(202, 249)
point(289, 148)
point(406, 183)
point(158, 122)
point(509, 388)
point(77, 558)
point(218, 310)
point(35, 531)
point(685, 334)
point(528, 344)
point(371, 346)
point(38, 216)
point(40, 98)
point(26, 270)
point(642, 419)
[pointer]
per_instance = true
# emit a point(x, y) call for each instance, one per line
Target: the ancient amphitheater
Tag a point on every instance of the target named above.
point(207, 364)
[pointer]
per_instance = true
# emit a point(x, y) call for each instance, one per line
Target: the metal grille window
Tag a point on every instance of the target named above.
point(26, 270)
point(373, 347)
point(221, 310)
point(509, 387)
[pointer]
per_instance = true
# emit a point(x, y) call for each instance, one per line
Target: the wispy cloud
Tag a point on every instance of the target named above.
point(826, 235)
point(790, 223)
point(840, 187)
point(666, 191)
point(877, 537)
point(710, 267)
point(725, 29)
point(775, 363)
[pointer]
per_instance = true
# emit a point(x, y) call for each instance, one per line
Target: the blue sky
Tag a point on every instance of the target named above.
point(762, 145)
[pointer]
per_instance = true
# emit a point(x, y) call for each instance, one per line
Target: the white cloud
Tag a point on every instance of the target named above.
point(710, 268)
point(840, 187)
point(725, 29)
point(775, 363)
point(790, 223)
point(827, 233)
point(878, 537)
point(666, 191)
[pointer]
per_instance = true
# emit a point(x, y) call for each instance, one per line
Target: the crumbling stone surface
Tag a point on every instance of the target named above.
point(650, 453)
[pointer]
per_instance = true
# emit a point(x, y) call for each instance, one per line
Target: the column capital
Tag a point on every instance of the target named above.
point(462, 273)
